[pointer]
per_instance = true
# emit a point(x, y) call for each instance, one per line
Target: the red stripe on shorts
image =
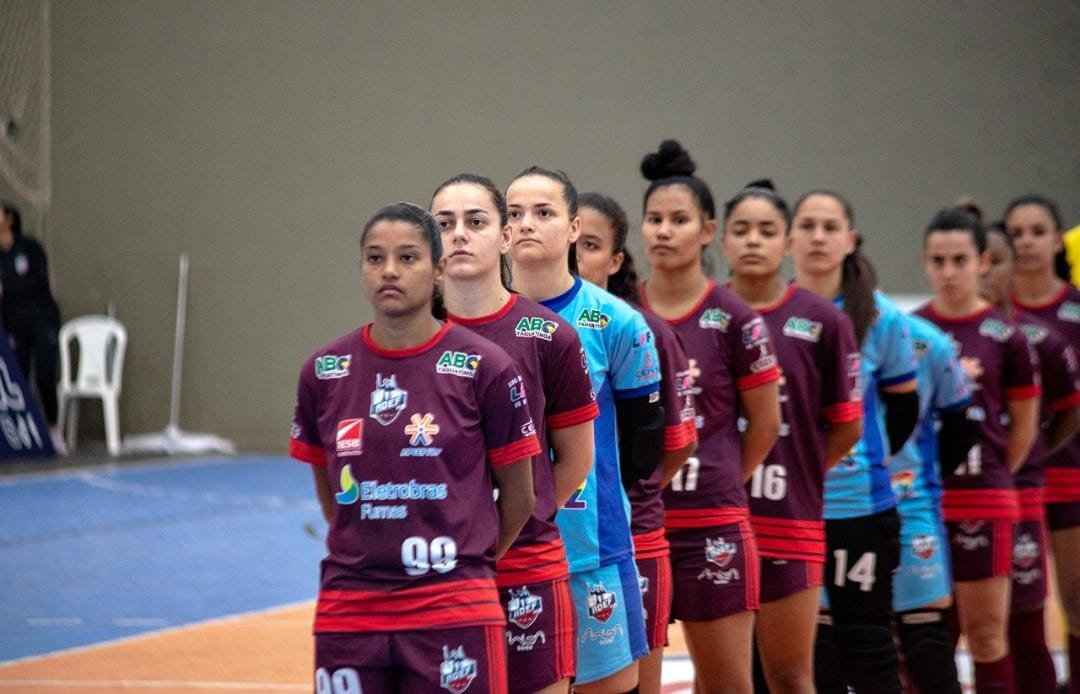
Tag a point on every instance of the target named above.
point(1062, 485)
point(789, 538)
point(496, 655)
point(753, 567)
point(1001, 563)
point(651, 545)
point(565, 632)
point(980, 504)
point(1032, 503)
point(664, 580)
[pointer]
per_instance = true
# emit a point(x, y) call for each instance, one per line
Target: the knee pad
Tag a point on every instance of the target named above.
point(928, 651)
point(868, 657)
point(828, 675)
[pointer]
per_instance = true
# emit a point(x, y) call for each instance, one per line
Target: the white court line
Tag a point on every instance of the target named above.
point(158, 684)
point(156, 632)
point(16, 478)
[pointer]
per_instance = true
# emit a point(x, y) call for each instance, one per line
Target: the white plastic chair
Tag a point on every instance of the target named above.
point(101, 341)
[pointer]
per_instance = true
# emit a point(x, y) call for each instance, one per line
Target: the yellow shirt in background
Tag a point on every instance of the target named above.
point(1072, 253)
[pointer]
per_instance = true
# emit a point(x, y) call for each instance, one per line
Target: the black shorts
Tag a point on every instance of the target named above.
point(863, 553)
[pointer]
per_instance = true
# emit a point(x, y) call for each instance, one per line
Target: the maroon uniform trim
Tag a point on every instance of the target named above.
point(470, 602)
point(1036, 307)
point(981, 504)
point(306, 453)
point(788, 538)
point(585, 413)
point(680, 435)
point(513, 452)
point(534, 563)
point(683, 518)
point(1062, 485)
point(651, 545)
point(843, 412)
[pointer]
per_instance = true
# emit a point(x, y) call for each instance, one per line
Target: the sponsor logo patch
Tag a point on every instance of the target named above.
point(517, 391)
point(592, 319)
point(1025, 551)
point(754, 333)
point(456, 672)
point(532, 326)
point(1034, 333)
point(1070, 311)
point(923, 546)
point(803, 329)
point(349, 491)
point(387, 400)
point(600, 602)
point(523, 608)
point(332, 366)
point(720, 551)
point(714, 319)
point(458, 364)
point(995, 330)
point(350, 437)
point(524, 643)
point(903, 484)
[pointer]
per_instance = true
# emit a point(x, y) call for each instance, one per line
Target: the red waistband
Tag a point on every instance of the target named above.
point(469, 602)
point(980, 504)
point(1062, 484)
point(651, 545)
point(684, 518)
point(537, 563)
point(789, 538)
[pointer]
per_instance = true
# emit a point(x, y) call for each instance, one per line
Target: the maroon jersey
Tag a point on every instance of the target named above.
point(819, 362)
point(1003, 367)
point(1060, 378)
point(646, 506)
point(1062, 313)
point(729, 350)
point(548, 355)
point(407, 437)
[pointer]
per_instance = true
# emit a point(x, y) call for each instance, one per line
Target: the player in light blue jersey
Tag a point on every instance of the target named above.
point(862, 527)
point(922, 587)
point(629, 434)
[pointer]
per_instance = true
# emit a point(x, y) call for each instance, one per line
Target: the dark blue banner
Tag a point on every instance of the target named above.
point(23, 432)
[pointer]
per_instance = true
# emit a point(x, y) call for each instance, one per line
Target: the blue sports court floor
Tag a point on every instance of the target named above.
point(101, 553)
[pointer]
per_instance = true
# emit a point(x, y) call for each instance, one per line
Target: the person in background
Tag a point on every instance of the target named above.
point(1039, 289)
point(980, 503)
point(30, 314)
point(862, 526)
point(602, 258)
point(714, 554)
point(822, 420)
point(1060, 417)
point(533, 575)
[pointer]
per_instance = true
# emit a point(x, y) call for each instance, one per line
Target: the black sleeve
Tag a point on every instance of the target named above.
point(901, 416)
point(641, 437)
point(955, 438)
point(37, 273)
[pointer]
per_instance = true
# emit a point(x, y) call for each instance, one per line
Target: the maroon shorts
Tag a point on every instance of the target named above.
point(1029, 564)
point(783, 577)
point(714, 572)
point(980, 549)
point(433, 660)
point(655, 580)
point(1063, 516)
point(540, 634)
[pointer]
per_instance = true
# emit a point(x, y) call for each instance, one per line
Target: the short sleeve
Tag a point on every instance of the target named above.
point(304, 442)
point(840, 362)
point(634, 364)
point(952, 387)
point(568, 389)
point(675, 396)
point(753, 360)
point(1021, 379)
point(509, 431)
point(1059, 378)
point(898, 363)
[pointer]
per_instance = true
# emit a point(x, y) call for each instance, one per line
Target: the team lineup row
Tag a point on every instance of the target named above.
point(531, 461)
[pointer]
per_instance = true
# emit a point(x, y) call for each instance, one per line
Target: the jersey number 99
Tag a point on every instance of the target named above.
point(343, 681)
point(419, 556)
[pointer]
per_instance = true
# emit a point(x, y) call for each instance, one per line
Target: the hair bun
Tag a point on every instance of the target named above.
point(764, 183)
point(670, 160)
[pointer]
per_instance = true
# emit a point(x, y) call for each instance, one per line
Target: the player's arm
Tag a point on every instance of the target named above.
point(323, 492)
point(516, 499)
point(839, 439)
point(1023, 428)
point(901, 402)
point(572, 450)
point(761, 405)
point(672, 462)
point(1063, 426)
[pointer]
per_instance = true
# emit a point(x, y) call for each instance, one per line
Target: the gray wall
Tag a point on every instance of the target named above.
point(260, 135)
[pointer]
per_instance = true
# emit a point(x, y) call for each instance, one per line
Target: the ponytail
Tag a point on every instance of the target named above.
point(857, 283)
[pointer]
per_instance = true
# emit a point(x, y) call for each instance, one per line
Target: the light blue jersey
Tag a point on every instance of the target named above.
point(943, 387)
point(859, 485)
point(623, 363)
point(923, 576)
